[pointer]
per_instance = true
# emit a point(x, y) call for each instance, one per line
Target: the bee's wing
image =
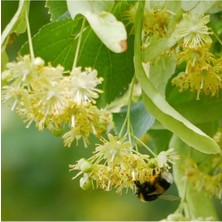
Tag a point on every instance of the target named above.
point(169, 197)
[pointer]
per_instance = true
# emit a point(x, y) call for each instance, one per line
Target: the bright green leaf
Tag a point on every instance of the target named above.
point(110, 31)
point(186, 104)
point(162, 111)
point(57, 9)
point(159, 139)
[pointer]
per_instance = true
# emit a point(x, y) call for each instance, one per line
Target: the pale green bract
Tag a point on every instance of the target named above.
point(17, 24)
point(108, 29)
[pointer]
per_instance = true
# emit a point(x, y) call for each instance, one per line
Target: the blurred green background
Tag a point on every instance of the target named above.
point(36, 182)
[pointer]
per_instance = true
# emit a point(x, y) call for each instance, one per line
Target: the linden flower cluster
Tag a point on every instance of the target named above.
point(203, 71)
point(155, 22)
point(116, 165)
point(201, 181)
point(42, 94)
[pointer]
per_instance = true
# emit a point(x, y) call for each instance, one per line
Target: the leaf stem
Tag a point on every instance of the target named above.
point(127, 119)
point(29, 37)
point(129, 126)
point(78, 45)
point(148, 148)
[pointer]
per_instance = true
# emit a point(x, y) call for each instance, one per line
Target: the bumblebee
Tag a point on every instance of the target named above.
point(156, 186)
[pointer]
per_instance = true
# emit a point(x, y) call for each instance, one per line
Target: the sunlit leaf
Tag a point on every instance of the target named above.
point(57, 9)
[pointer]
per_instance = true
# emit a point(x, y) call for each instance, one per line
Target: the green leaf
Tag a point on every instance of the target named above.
point(57, 9)
point(186, 104)
point(140, 119)
point(192, 197)
point(110, 31)
point(17, 23)
point(161, 110)
point(159, 139)
point(56, 43)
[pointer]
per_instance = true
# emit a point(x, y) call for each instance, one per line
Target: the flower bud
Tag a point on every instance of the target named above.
point(153, 163)
point(38, 62)
point(84, 165)
point(58, 132)
point(85, 182)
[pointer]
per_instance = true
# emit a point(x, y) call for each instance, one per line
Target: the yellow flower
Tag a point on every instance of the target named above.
point(207, 81)
point(200, 58)
point(113, 148)
point(166, 156)
point(20, 77)
point(115, 164)
point(156, 22)
point(83, 85)
point(86, 119)
point(202, 74)
point(12, 93)
point(43, 95)
point(23, 72)
point(193, 31)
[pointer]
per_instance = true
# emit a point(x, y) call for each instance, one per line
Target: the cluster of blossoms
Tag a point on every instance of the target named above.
point(209, 182)
point(203, 71)
point(156, 22)
point(54, 99)
point(115, 164)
